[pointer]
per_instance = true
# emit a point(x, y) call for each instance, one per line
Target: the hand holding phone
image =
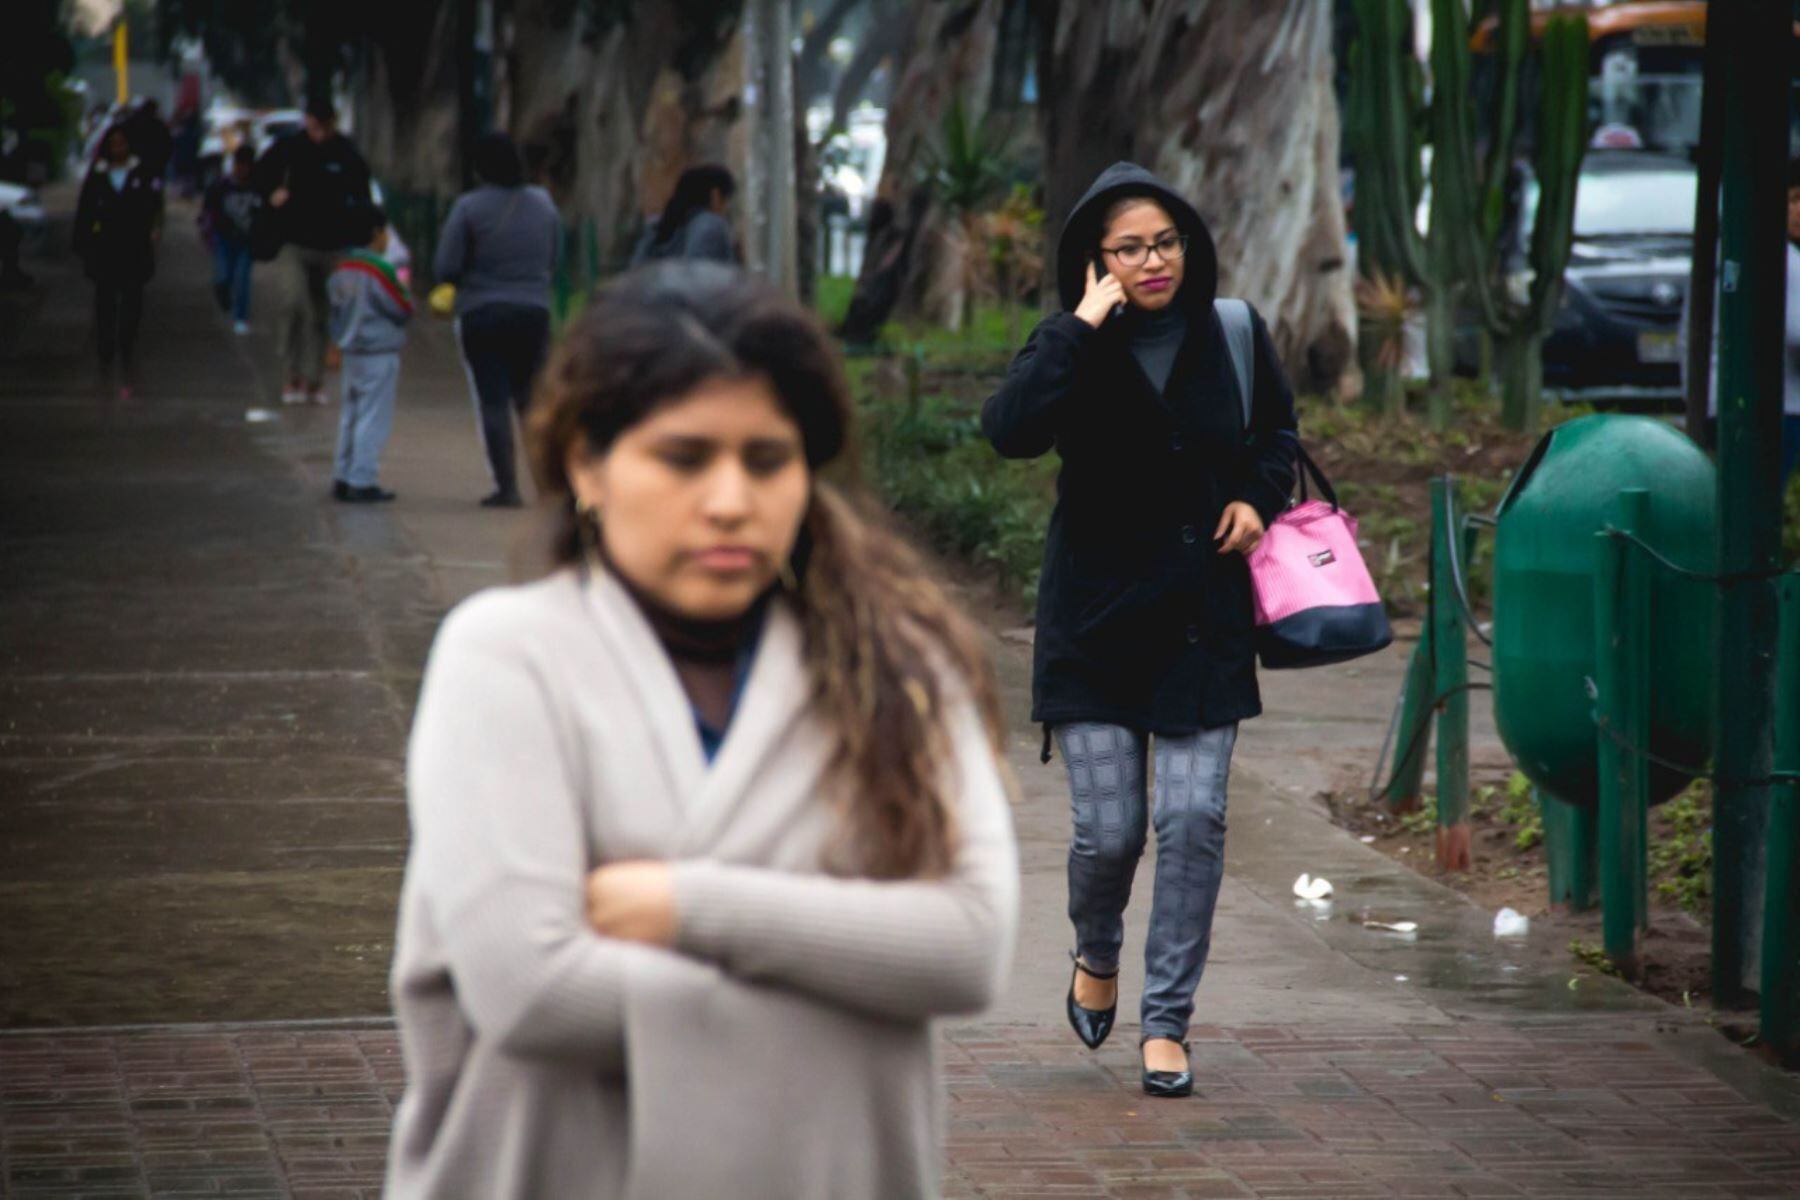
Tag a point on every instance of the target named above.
point(1105, 296)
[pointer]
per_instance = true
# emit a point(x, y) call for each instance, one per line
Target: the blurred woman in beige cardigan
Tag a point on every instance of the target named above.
point(708, 823)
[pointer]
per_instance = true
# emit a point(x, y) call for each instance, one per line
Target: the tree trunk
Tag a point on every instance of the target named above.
point(1522, 382)
point(584, 84)
point(1440, 349)
point(1243, 118)
point(409, 115)
point(1233, 104)
point(809, 86)
point(948, 55)
point(768, 176)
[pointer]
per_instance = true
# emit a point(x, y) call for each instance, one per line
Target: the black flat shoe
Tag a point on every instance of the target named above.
point(340, 490)
point(1091, 1025)
point(1168, 1083)
point(372, 494)
point(503, 500)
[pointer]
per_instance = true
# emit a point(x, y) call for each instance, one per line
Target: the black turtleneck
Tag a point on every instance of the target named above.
point(1156, 339)
point(708, 655)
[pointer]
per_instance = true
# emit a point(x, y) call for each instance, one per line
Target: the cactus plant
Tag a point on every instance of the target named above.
point(1460, 256)
point(1383, 115)
point(1467, 201)
point(1383, 118)
point(1561, 145)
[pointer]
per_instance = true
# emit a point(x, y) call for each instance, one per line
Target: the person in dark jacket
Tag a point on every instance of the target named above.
point(318, 186)
point(118, 221)
point(227, 212)
point(1145, 619)
point(499, 247)
point(150, 138)
point(693, 223)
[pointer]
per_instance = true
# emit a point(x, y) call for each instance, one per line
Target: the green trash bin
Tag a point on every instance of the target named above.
point(1545, 557)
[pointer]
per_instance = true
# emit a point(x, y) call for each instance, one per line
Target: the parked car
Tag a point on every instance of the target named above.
point(1616, 336)
point(22, 205)
point(271, 127)
point(226, 126)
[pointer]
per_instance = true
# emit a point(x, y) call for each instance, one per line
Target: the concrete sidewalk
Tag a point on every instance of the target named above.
point(207, 670)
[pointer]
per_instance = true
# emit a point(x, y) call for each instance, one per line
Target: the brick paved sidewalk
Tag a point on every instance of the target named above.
point(1598, 1107)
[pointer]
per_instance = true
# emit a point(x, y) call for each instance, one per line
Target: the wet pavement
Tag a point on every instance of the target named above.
point(206, 672)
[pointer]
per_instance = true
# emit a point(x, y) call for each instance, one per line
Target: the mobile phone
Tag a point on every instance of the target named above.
point(1100, 272)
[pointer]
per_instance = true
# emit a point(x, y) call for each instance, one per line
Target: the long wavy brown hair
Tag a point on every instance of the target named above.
point(883, 641)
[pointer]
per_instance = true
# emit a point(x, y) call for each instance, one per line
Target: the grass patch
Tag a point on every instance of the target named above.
point(831, 298)
point(930, 461)
point(1681, 851)
point(1519, 808)
point(1593, 956)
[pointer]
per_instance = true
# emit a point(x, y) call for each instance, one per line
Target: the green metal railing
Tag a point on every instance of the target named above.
point(1438, 686)
point(1604, 849)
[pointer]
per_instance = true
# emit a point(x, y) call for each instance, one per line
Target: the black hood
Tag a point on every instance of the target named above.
point(1081, 236)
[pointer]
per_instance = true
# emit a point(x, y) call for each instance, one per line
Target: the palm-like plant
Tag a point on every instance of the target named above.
point(965, 169)
point(1383, 305)
point(1015, 238)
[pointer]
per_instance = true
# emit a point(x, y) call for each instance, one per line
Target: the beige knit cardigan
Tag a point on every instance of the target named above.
point(784, 1049)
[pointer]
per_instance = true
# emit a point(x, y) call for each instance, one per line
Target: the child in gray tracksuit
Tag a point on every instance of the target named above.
point(369, 312)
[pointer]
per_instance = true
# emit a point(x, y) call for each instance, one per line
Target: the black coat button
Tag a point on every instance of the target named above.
point(1189, 534)
point(1175, 443)
point(1193, 634)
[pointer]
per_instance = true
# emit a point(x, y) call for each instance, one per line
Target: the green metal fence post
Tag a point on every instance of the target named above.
point(1570, 851)
point(1622, 709)
point(1752, 297)
point(1406, 787)
point(1451, 671)
point(1781, 903)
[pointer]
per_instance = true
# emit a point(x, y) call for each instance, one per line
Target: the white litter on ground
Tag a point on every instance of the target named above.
point(1308, 888)
point(256, 416)
point(1393, 926)
point(1510, 923)
point(1367, 839)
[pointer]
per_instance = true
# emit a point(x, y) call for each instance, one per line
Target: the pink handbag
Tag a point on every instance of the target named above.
point(1316, 602)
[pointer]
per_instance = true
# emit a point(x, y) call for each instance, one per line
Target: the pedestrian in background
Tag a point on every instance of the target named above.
point(693, 223)
point(1145, 621)
point(709, 822)
point(118, 222)
point(498, 247)
point(150, 138)
point(318, 188)
point(369, 312)
point(227, 211)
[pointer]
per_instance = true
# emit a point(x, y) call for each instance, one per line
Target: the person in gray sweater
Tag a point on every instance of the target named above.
point(499, 247)
point(369, 312)
point(693, 224)
point(709, 824)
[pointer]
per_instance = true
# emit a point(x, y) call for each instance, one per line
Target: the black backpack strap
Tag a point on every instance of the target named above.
point(1240, 344)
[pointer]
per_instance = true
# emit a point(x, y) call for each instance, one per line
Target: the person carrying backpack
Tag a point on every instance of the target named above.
point(1145, 639)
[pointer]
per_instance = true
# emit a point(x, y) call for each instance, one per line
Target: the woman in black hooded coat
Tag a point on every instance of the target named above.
point(1145, 621)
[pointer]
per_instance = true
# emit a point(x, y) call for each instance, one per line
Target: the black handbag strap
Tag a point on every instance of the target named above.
point(1309, 467)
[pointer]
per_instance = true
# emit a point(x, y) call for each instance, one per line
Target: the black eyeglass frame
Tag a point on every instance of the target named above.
point(1179, 242)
